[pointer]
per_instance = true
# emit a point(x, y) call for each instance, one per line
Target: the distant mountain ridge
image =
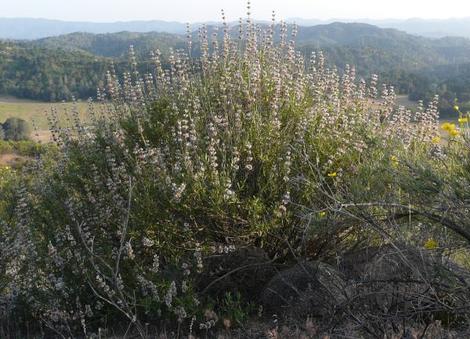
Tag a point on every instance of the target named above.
point(432, 28)
point(341, 35)
point(30, 28)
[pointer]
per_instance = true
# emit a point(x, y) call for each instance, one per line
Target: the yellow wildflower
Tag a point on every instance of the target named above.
point(448, 127)
point(332, 174)
point(454, 133)
point(431, 244)
point(436, 140)
point(463, 120)
point(322, 214)
point(457, 108)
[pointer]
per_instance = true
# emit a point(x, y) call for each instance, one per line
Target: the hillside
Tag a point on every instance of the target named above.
point(370, 48)
point(433, 28)
point(113, 45)
point(375, 50)
point(450, 82)
point(45, 74)
point(52, 68)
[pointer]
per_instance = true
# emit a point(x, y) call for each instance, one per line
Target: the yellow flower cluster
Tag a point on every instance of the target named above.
point(436, 140)
point(431, 244)
point(394, 161)
point(451, 129)
point(463, 119)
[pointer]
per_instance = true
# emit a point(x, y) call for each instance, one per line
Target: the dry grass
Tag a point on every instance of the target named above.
point(35, 110)
point(42, 136)
point(404, 101)
point(11, 159)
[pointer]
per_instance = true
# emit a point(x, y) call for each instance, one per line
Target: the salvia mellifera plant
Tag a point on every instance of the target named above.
point(218, 147)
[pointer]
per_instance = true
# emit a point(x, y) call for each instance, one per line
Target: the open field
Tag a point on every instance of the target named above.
point(404, 101)
point(35, 110)
point(30, 110)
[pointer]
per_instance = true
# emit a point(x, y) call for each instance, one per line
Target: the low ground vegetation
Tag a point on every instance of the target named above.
point(15, 129)
point(250, 192)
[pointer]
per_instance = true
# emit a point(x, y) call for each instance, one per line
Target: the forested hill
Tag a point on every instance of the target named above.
point(396, 48)
point(49, 75)
point(113, 45)
point(56, 68)
point(370, 48)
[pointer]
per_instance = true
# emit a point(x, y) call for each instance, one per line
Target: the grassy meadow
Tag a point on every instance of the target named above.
point(15, 155)
point(37, 111)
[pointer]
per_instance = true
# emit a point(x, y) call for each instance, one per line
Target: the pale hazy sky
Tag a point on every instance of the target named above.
point(205, 10)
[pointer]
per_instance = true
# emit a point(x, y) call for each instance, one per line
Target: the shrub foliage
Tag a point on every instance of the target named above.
point(250, 145)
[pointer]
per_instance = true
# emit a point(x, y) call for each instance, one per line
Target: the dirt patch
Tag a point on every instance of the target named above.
point(12, 159)
point(43, 136)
